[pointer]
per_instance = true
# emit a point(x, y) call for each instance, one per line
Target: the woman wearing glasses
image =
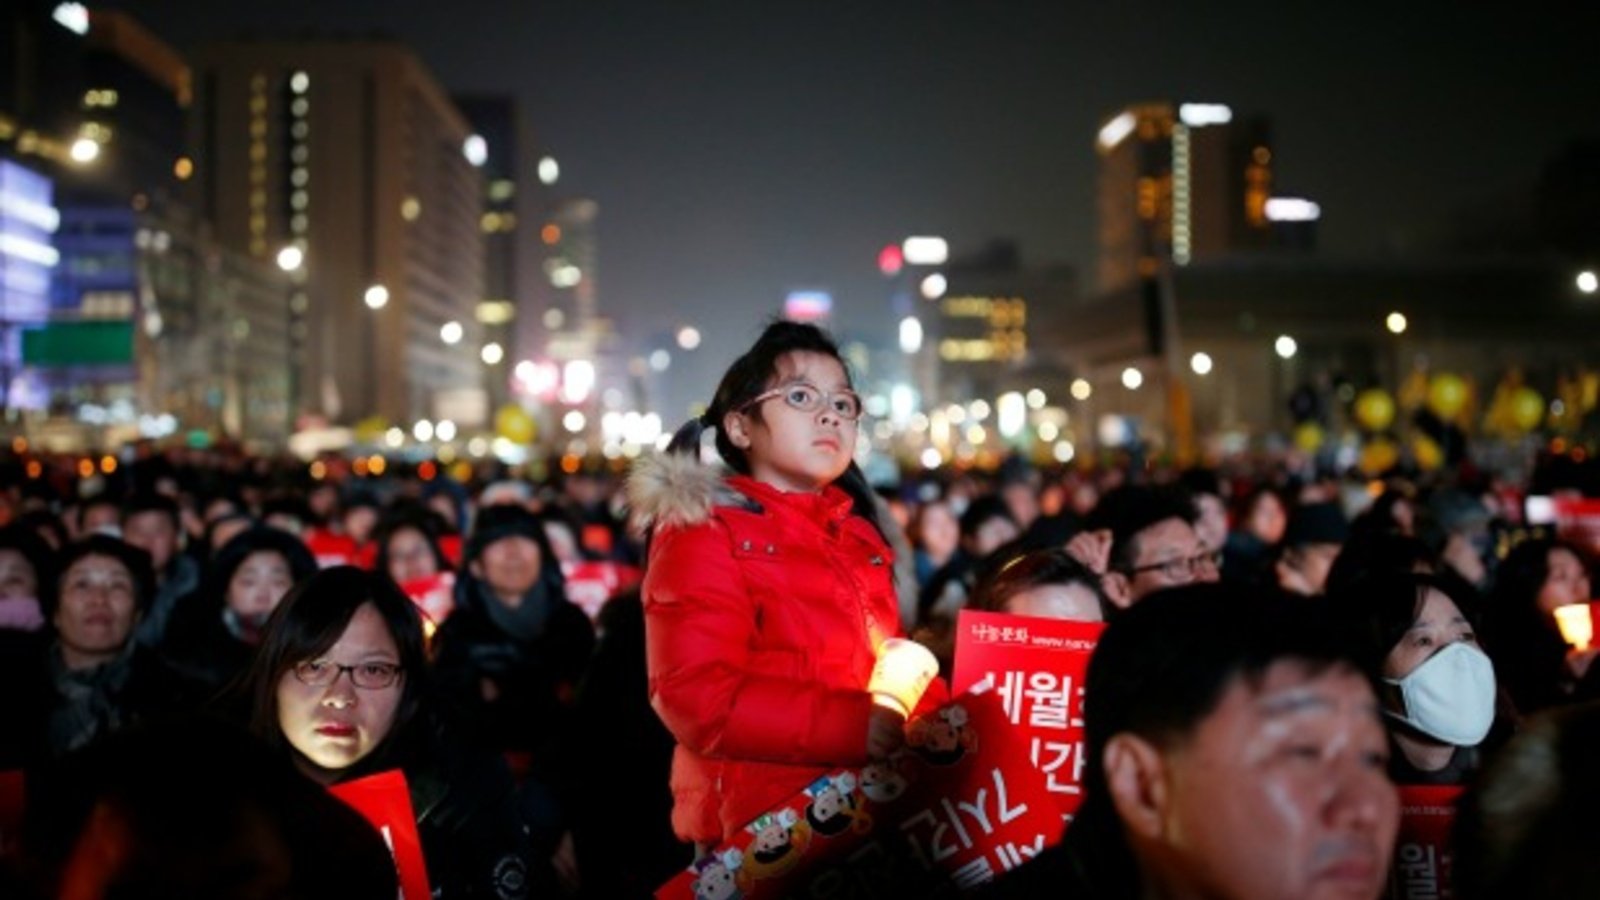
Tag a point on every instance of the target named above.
point(340, 685)
point(768, 589)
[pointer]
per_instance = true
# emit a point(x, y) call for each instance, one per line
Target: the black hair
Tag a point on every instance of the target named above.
point(1373, 615)
point(1130, 509)
point(1162, 666)
point(37, 552)
point(104, 498)
point(256, 539)
point(1029, 570)
point(310, 619)
point(1370, 553)
point(150, 501)
point(1528, 651)
point(415, 517)
point(135, 560)
point(40, 520)
point(983, 509)
point(749, 376)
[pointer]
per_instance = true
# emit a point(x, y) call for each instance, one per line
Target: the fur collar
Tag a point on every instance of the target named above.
point(676, 489)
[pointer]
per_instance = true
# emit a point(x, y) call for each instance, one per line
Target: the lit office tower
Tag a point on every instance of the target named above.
point(513, 205)
point(1180, 183)
point(570, 265)
point(345, 162)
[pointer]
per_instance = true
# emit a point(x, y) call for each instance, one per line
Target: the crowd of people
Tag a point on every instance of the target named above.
point(1283, 647)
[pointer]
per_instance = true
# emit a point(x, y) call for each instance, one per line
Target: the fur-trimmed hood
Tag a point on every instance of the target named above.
point(676, 489)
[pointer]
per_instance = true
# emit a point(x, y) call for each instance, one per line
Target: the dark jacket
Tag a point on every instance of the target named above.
point(48, 711)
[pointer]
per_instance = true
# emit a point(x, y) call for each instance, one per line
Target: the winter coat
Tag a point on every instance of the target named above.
point(764, 611)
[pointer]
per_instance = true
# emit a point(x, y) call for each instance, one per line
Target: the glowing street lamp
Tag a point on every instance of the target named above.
point(84, 150)
point(1588, 281)
point(1285, 346)
point(291, 258)
point(1396, 323)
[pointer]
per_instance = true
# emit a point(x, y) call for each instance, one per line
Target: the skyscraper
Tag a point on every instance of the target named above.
point(346, 162)
point(1179, 183)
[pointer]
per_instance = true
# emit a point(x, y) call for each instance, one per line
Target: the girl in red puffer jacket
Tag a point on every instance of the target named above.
point(768, 590)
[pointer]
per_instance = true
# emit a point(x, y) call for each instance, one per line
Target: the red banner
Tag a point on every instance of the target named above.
point(331, 549)
point(1422, 858)
point(434, 595)
point(591, 583)
point(385, 801)
point(960, 804)
point(1578, 521)
point(1037, 667)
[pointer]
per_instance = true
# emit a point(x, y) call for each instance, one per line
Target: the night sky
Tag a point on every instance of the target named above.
point(738, 149)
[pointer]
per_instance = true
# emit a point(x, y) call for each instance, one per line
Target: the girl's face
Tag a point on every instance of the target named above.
point(1438, 624)
point(410, 557)
point(258, 584)
point(336, 725)
point(1267, 519)
point(1567, 581)
point(788, 446)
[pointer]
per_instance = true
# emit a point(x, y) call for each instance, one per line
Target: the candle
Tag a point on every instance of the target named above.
point(1576, 624)
point(904, 670)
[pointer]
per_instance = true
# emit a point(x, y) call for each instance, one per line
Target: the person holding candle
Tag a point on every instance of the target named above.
point(768, 590)
point(1540, 668)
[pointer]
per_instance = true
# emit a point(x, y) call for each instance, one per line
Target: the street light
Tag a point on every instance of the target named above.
point(1588, 281)
point(1285, 346)
point(1200, 363)
point(1396, 323)
point(84, 150)
point(291, 258)
point(377, 297)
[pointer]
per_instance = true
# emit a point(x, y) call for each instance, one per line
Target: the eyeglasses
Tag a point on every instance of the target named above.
point(1182, 567)
point(369, 676)
point(808, 398)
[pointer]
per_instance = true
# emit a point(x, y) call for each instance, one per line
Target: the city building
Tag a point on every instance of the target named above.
point(346, 163)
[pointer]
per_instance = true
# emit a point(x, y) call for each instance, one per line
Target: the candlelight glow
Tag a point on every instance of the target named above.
point(905, 669)
point(1576, 624)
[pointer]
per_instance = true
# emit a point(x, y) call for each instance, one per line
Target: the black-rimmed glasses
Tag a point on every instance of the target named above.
point(370, 676)
point(1182, 567)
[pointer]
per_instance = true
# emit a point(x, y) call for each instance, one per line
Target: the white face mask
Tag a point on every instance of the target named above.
point(1450, 697)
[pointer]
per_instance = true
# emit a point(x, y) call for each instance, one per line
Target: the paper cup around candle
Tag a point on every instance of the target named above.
point(1576, 624)
point(905, 669)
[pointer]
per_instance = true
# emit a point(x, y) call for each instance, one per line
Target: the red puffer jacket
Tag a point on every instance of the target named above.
point(763, 614)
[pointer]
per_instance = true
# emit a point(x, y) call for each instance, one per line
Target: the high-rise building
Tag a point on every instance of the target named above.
point(1180, 183)
point(346, 162)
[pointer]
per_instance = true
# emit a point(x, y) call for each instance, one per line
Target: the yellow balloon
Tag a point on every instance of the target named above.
point(513, 423)
point(1308, 436)
point(1527, 408)
point(1374, 409)
point(1447, 394)
point(1378, 456)
point(1427, 452)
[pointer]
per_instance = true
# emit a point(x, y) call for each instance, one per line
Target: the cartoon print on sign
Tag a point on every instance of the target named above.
point(781, 839)
point(717, 876)
point(833, 807)
point(942, 737)
point(883, 782)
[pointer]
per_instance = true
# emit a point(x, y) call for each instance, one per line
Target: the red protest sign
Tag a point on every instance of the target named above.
point(1037, 667)
point(1578, 521)
point(331, 549)
point(591, 583)
point(1422, 859)
point(385, 801)
point(434, 595)
point(959, 805)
